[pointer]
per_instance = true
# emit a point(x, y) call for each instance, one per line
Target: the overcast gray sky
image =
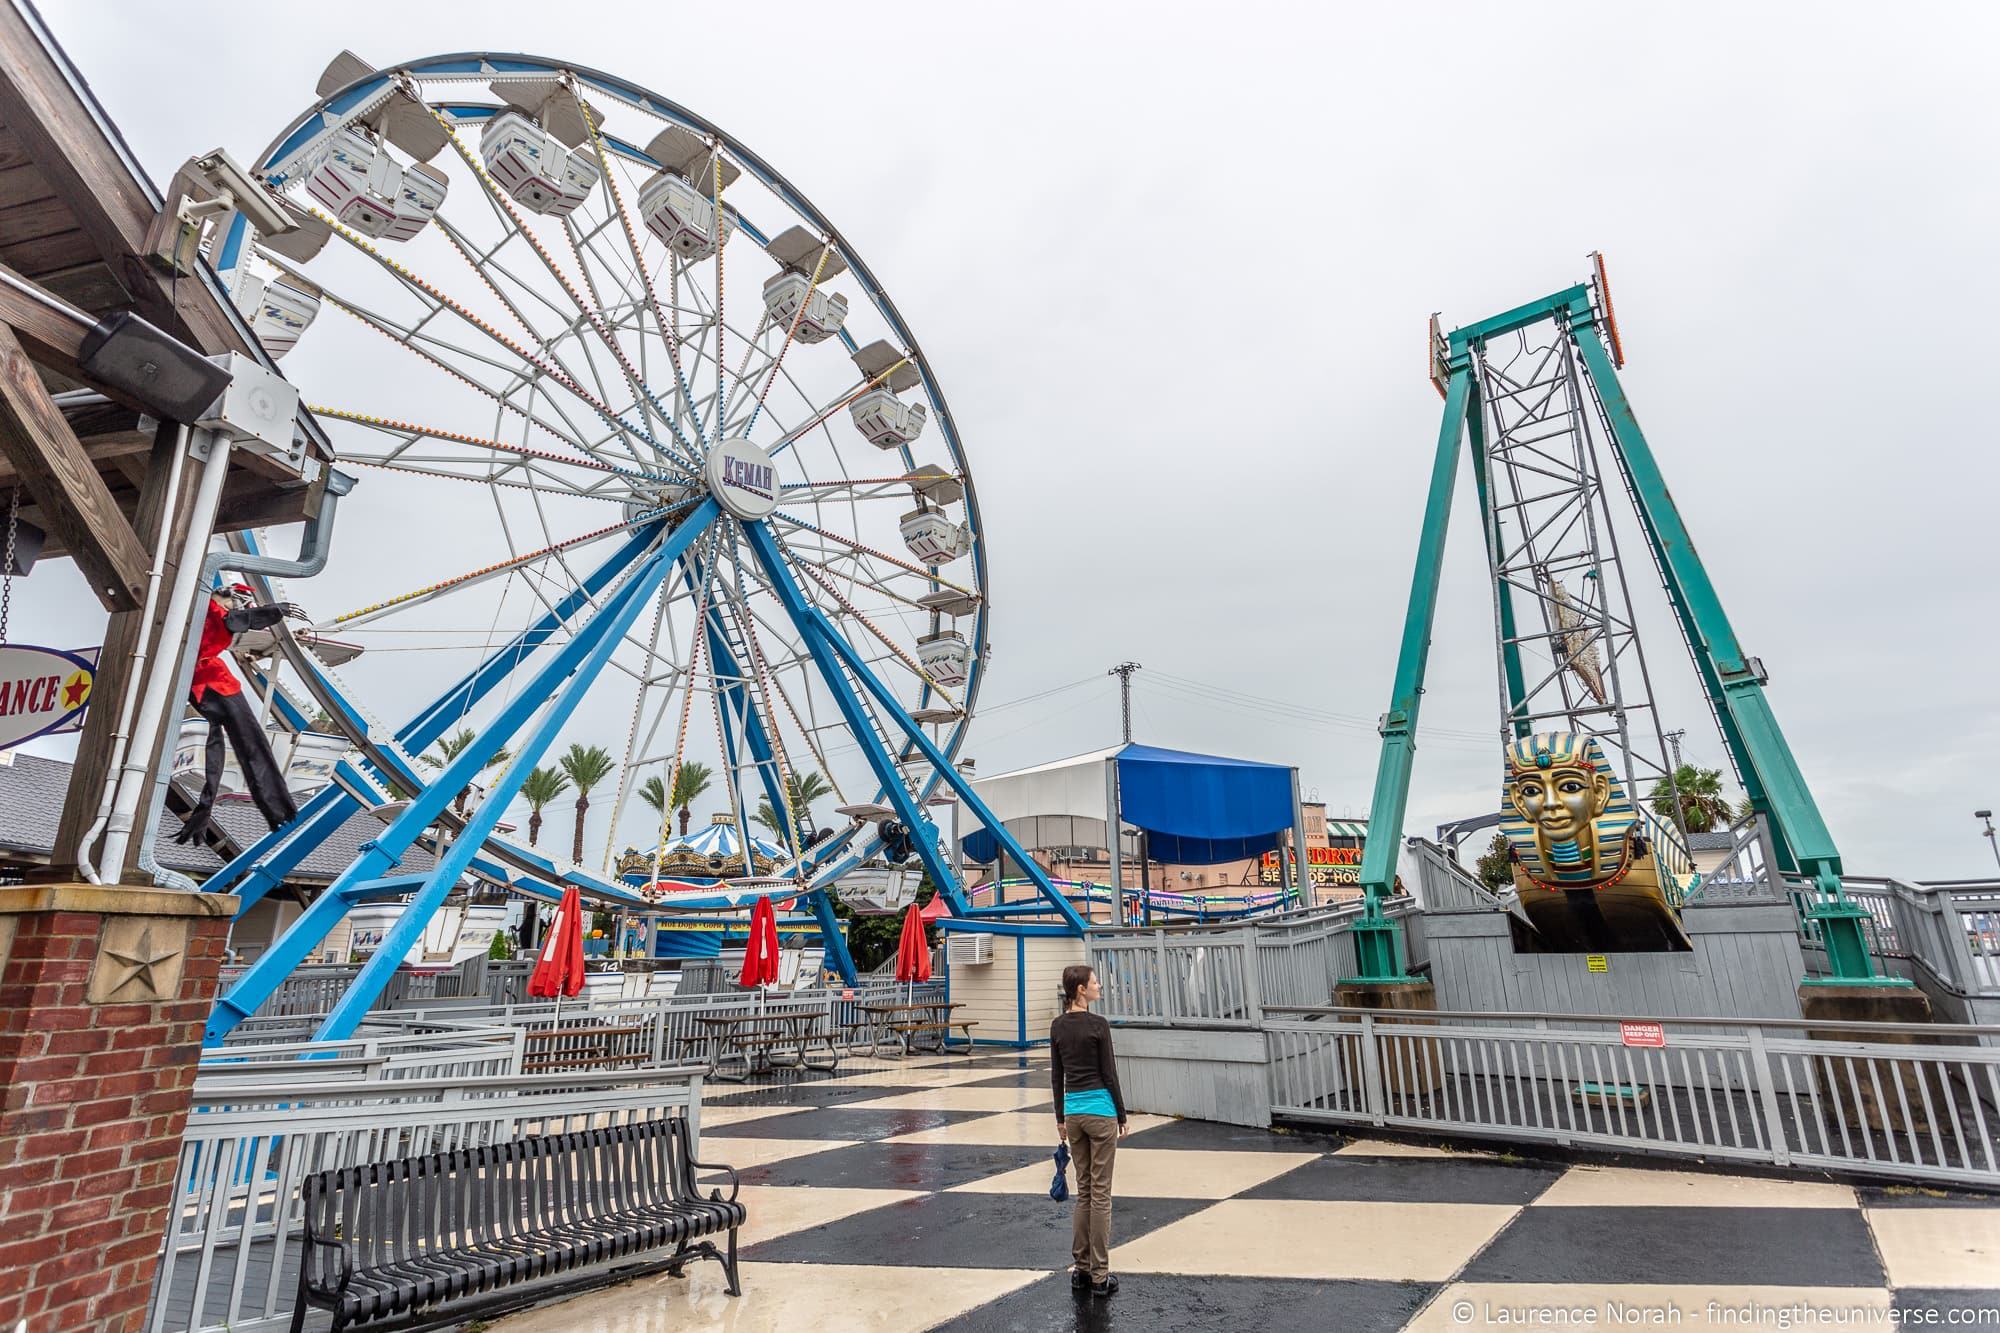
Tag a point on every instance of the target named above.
point(1171, 265)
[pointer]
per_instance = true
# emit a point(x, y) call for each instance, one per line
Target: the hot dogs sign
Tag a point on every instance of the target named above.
point(43, 691)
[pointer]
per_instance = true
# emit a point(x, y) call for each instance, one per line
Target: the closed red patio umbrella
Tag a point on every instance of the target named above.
point(913, 950)
point(760, 951)
point(559, 969)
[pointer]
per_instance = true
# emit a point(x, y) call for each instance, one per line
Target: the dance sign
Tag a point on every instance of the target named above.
point(43, 691)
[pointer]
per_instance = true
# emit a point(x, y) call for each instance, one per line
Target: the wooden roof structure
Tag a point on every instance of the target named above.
point(75, 209)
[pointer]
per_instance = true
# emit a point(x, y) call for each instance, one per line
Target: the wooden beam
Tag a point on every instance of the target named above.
point(61, 134)
point(97, 451)
point(75, 504)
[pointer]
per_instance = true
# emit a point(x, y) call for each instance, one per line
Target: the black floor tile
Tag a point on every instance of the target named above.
point(1147, 1303)
point(891, 1165)
point(1922, 1196)
point(964, 1231)
point(1208, 1135)
point(858, 1124)
point(1408, 1180)
point(1776, 1247)
point(1018, 1078)
point(1948, 1307)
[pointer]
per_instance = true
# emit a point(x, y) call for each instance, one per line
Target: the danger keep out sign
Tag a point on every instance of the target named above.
point(1642, 1034)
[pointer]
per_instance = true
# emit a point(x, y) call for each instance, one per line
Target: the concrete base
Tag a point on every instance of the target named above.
point(1409, 1069)
point(1864, 1094)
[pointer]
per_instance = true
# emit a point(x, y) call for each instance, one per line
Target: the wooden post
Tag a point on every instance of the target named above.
point(160, 517)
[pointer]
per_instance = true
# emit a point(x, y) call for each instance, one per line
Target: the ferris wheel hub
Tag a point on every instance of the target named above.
point(742, 478)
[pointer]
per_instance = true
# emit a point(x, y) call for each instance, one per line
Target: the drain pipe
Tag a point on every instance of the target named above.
point(121, 733)
point(131, 775)
point(315, 544)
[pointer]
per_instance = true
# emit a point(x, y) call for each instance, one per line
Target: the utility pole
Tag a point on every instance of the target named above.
point(1124, 672)
point(1991, 837)
point(1673, 740)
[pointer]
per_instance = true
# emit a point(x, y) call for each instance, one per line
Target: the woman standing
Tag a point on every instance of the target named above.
point(1090, 1116)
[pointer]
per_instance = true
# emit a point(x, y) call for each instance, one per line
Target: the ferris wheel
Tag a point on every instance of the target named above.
point(645, 453)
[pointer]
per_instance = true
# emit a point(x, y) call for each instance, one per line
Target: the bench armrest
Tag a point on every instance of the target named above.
point(345, 1265)
point(735, 1185)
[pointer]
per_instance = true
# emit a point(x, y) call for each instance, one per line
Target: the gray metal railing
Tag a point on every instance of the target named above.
point(1881, 1101)
point(1224, 975)
point(230, 1255)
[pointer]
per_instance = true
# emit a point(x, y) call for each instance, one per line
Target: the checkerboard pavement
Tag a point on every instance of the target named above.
point(912, 1194)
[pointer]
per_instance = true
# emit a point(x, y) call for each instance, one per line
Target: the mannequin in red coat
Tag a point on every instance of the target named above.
point(218, 696)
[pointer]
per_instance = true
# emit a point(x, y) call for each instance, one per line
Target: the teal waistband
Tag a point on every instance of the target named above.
point(1096, 1101)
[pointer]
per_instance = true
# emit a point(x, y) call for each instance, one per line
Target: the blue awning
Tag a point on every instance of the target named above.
point(1196, 809)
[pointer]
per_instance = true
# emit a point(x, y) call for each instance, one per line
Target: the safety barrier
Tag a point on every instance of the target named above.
point(1224, 976)
point(1878, 1098)
point(229, 1260)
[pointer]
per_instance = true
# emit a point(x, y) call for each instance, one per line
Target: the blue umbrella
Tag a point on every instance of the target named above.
point(1059, 1187)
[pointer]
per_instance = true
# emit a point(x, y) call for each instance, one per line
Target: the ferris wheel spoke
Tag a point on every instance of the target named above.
point(826, 585)
point(410, 432)
point(485, 573)
point(920, 571)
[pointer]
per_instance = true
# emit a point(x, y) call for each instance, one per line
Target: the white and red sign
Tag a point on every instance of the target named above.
point(1642, 1034)
point(42, 691)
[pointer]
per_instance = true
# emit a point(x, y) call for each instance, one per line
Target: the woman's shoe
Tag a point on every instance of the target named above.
point(1108, 1287)
point(1078, 1279)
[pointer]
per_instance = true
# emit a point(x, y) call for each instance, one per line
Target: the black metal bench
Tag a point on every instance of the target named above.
point(396, 1241)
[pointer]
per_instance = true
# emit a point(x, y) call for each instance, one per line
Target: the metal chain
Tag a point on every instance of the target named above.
point(7, 561)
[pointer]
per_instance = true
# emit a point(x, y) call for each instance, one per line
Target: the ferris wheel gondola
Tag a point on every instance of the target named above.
point(644, 435)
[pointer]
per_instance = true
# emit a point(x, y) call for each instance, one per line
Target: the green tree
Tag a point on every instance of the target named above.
point(1703, 804)
point(586, 766)
point(541, 786)
point(693, 779)
point(502, 947)
point(801, 791)
point(872, 938)
point(1496, 864)
point(451, 747)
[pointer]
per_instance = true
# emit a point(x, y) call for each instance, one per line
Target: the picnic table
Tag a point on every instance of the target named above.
point(755, 1040)
point(902, 1022)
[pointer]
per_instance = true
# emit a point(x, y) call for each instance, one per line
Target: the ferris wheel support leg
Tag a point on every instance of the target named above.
point(601, 638)
point(833, 653)
point(558, 687)
point(263, 866)
point(759, 743)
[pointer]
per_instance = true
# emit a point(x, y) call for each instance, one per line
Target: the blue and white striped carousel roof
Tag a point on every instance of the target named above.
point(720, 839)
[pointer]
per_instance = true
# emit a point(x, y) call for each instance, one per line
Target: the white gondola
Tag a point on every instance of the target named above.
point(825, 311)
point(886, 421)
point(682, 216)
point(883, 419)
point(532, 166)
point(279, 311)
point(806, 263)
point(877, 890)
point(946, 658)
point(933, 538)
point(361, 185)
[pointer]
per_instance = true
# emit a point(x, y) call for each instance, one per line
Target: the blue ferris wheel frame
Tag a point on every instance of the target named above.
point(645, 561)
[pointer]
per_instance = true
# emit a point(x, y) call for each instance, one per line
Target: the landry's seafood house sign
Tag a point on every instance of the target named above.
point(42, 691)
point(1329, 865)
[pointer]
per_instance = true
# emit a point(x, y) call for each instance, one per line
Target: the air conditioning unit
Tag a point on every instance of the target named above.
point(968, 950)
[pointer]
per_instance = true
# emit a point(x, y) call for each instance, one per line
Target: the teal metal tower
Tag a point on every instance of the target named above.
point(1590, 635)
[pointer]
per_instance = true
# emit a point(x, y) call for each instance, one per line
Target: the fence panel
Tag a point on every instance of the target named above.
point(1769, 1093)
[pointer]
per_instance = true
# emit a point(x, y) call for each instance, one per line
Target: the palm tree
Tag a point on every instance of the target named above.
point(801, 790)
point(586, 766)
point(690, 782)
point(1703, 805)
point(451, 747)
point(541, 786)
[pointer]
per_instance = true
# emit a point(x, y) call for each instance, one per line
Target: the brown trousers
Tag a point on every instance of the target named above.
point(1093, 1143)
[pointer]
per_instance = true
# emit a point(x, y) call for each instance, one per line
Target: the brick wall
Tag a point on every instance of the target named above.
point(103, 993)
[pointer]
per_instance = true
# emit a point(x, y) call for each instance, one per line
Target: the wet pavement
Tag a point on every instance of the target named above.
point(897, 1196)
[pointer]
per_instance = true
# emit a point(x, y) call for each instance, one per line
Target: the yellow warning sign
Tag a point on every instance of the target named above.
point(1597, 962)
